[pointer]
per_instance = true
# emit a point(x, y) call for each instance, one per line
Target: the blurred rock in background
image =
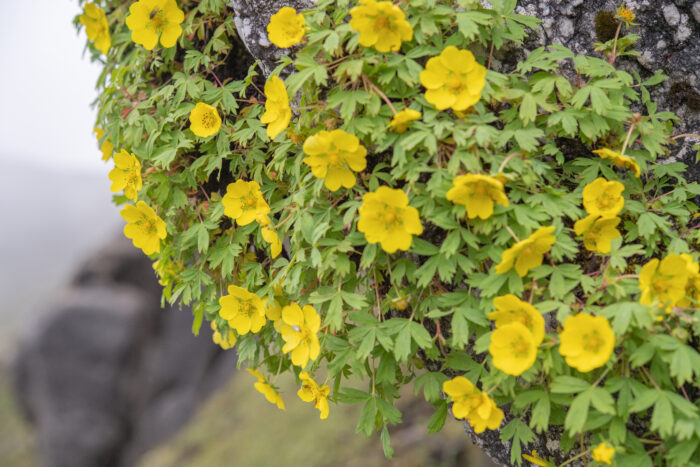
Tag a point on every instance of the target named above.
point(110, 374)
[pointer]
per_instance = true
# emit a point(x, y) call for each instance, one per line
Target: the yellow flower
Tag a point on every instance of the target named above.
point(664, 282)
point(586, 342)
point(603, 453)
point(461, 391)
point(510, 309)
point(126, 174)
point(244, 202)
point(469, 403)
point(265, 388)
point(619, 160)
point(380, 24)
point(96, 27)
point(400, 121)
point(626, 15)
point(301, 326)
point(271, 237)
point(225, 342)
point(603, 198)
point(277, 112)
point(453, 79)
point(166, 270)
point(485, 414)
point(149, 19)
point(107, 147)
point(204, 120)
point(513, 348)
point(144, 227)
point(312, 392)
point(243, 310)
point(386, 217)
point(527, 254)
point(535, 459)
point(597, 232)
point(692, 288)
point(477, 193)
point(286, 28)
point(273, 312)
point(334, 156)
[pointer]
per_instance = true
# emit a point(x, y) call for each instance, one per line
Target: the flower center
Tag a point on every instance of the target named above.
point(382, 22)
point(392, 216)
point(520, 348)
point(249, 202)
point(158, 19)
point(455, 82)
point(334, 158)
point(208, 120)
point(593, 342)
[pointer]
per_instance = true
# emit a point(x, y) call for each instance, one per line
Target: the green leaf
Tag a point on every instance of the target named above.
point(366, 423)
point(578, 413)
point(568, 385)
point(437, 421)
point(386, 443)
point(198, 317)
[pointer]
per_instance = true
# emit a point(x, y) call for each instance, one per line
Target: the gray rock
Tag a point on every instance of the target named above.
point(111, 374)
point(252, 18)
point(671, 14)
point(695, 10)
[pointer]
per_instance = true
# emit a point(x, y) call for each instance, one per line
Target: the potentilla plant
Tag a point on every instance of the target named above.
point(397, 211)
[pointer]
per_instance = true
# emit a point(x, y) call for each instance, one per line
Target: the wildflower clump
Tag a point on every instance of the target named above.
point(386, 218)
point(389, 204)
point(381, 25)
point(154, 20)
point(286, 28)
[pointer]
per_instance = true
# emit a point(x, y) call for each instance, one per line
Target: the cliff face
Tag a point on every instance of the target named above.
point(110, 374)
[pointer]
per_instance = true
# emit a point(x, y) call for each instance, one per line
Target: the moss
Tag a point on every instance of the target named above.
point(684, 93)
point(606, 26)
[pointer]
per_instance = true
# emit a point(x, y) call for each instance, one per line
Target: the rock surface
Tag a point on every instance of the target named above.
point(110, 374)
point(252, 18)
point(669, 31)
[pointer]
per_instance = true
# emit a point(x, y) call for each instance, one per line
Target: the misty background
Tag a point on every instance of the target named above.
point(54, 190)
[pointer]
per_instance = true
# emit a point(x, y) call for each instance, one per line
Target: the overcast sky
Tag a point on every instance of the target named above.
point(46, 87)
